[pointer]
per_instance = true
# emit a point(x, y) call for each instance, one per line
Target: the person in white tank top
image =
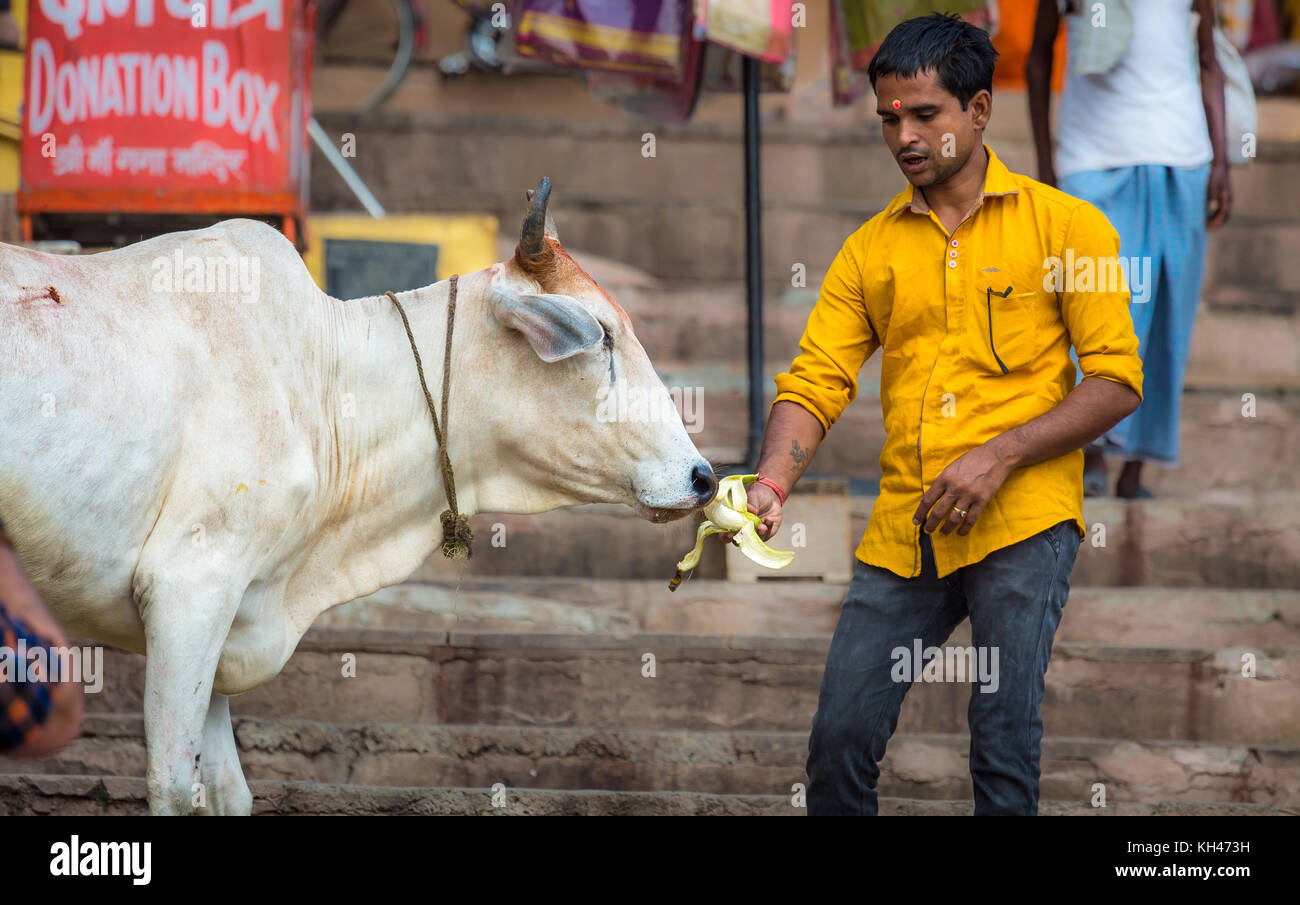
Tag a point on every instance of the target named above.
point(1142, 137)
point(1147, 109)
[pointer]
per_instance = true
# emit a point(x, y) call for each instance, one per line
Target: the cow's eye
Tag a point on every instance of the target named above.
point(609, 338)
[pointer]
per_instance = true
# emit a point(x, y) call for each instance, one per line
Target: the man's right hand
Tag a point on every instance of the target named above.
point(763, 502)
point(789, 442)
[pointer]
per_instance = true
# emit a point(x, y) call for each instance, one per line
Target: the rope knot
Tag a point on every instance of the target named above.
point(457, 538)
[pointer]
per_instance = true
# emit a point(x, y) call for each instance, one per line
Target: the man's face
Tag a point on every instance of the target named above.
point(929, 134)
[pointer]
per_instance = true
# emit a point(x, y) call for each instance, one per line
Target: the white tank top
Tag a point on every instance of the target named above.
point(1147, 109)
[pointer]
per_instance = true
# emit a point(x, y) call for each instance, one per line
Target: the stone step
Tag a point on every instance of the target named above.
point(86, 796)
point(1220, 447)
point(704, 241)
point(1219, 538)
point(1184, 617)
point(1215, 537)
point(734, 763)
point(672, 215)
point(715, 682)
point(98, 796)
point(696, 332)
point(468, 161)
point(1227, 439)
point(597, 541)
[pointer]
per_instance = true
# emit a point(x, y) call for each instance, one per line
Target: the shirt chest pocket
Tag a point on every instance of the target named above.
point(1003, 334)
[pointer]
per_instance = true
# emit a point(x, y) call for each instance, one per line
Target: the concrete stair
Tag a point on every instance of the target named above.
point(929, 767)
point(707, 683)
point(100, 796)
point(1229, 537)
point(1228, 439)
point(1173, 617)
point(1145, 695)
point(680, 213)
point(697, 329)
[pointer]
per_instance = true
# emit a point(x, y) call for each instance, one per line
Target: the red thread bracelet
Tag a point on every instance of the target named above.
point(776, 488)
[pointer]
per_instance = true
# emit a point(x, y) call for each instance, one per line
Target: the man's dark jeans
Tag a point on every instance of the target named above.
point(1014, 597)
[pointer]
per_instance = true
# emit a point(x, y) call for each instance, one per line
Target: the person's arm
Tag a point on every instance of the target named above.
point(63, 723)
point(1038, 84)
point(21, 599)
point(1089, 410)
point(1093, 407)
point(1219, 193)
point(789, 441)
point(1101, 331)
point(821, 382)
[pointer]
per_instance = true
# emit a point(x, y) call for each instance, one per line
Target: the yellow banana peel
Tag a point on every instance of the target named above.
point(729, 513)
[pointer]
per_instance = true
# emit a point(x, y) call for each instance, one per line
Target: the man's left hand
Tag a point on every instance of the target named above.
point(966, 486)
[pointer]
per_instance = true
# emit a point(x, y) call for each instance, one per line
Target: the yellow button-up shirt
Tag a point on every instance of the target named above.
point(976, 328)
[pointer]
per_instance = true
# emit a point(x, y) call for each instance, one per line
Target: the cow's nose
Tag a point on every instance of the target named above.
point(704, 482)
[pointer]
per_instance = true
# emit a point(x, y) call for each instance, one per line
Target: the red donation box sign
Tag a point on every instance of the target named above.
point(173, 106)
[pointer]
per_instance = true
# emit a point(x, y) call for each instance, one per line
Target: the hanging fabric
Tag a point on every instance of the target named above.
point(847, 83)
point(723, 71)
point(762, 29)
point(638, 37)
point(665, 99)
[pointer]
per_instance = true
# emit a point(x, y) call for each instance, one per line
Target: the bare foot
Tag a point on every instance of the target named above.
point(1129, 484)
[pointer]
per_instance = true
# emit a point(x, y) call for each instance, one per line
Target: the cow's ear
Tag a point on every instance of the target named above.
point(557, 327)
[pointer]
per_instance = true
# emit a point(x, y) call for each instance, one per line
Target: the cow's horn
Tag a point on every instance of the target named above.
point(532, 238)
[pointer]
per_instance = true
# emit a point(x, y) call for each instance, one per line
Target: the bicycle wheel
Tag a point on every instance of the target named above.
point(332, 24)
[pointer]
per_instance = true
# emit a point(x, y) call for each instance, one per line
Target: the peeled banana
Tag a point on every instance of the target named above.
point(729, 514)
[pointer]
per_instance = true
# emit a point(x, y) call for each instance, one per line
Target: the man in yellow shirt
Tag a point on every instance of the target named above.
point(974, 282)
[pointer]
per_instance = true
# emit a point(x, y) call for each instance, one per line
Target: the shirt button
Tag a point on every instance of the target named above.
point(952, 263)
point(952, 254)
point(954, 243)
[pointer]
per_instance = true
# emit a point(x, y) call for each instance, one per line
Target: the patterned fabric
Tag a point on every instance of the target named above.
point(757, 28)
point(24, 706)
point(1159, 213)
point(847, 84)
point(647, 37)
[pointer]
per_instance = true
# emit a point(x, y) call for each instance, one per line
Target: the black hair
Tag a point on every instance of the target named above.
point(960, 53)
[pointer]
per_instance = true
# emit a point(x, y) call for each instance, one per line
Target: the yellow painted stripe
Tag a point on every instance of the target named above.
point(600, 37)
point(644, 69)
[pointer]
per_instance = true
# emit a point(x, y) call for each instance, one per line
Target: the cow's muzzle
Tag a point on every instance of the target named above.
point(703, 485)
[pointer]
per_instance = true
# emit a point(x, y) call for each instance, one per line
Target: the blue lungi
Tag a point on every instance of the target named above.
point(1159, 213)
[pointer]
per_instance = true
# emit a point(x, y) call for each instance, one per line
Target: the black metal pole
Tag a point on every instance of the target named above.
point(753, 263)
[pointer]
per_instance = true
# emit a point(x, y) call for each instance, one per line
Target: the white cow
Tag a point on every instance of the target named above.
point(196, 475)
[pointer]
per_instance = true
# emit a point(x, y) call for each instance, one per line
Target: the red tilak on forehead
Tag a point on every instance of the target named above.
point(897, 103)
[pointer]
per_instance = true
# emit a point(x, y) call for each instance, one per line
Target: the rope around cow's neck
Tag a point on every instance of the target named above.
point(457, 539)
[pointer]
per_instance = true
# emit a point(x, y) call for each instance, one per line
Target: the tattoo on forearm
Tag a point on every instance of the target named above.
point(799, 455)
